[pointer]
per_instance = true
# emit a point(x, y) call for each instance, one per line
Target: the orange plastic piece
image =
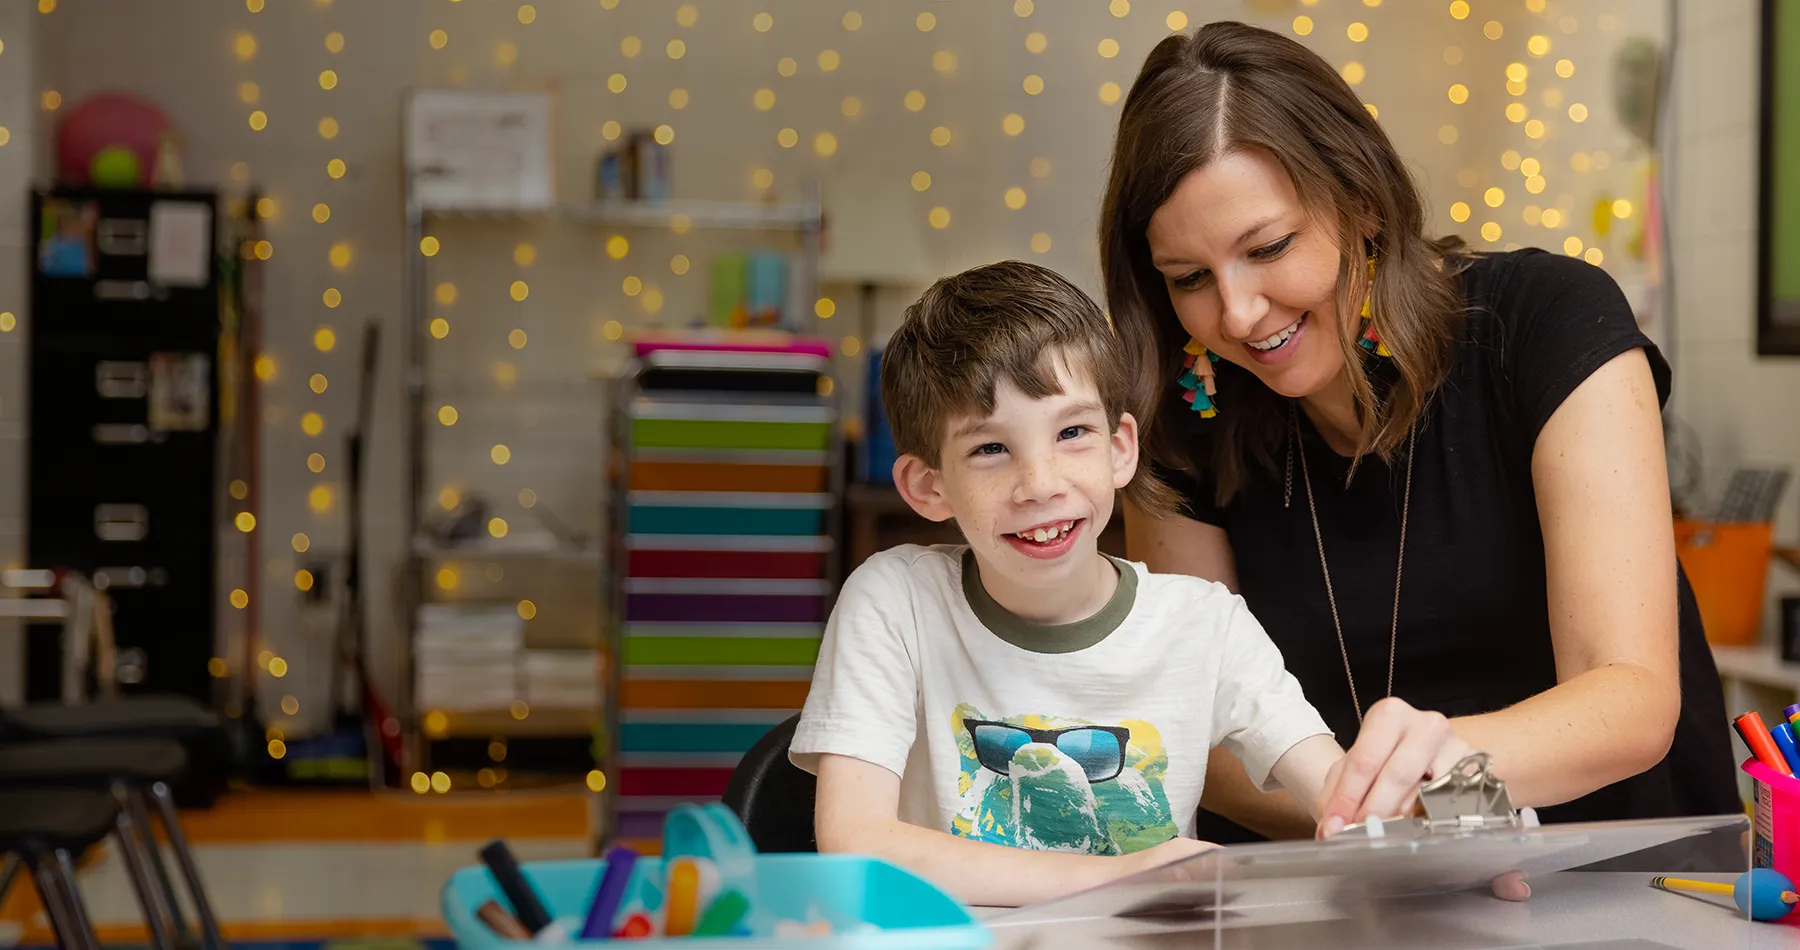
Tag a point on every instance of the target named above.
point(1728, 564)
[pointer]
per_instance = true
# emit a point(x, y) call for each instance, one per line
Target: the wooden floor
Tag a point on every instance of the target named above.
point(325, 866)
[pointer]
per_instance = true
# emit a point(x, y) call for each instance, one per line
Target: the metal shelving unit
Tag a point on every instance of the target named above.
point(802, 219)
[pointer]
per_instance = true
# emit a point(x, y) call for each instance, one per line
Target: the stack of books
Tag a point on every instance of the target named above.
point(466, 656)
point(560, 679)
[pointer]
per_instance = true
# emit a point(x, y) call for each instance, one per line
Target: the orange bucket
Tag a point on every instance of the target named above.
point(1728, 564)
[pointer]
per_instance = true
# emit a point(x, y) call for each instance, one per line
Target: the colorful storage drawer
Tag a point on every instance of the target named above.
point(648, 644)
point(701, 693)
point(725, 564)
point(672, 475)
point(727, 513)
point(726, 608)
point(712, 433)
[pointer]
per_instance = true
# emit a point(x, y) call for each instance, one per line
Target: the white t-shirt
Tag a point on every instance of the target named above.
point(1089, 737)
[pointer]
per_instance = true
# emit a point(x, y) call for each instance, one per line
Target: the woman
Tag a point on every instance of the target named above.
point(1433, 474)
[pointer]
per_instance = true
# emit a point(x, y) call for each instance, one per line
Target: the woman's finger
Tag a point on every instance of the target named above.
point(1382, 730)
point(1511, 886)
point(1453, 750)
point(1400, 775)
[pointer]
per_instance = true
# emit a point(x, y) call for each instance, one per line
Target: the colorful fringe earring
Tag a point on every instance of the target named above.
point(1197, 378)
point(1370, 339)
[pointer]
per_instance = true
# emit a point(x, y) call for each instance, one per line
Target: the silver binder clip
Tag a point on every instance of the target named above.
point(1468, 797)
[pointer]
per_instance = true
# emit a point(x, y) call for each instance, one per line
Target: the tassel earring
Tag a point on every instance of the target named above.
point(1197, 378)
point(1370, 339)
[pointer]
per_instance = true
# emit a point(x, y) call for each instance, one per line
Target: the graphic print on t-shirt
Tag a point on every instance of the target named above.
point(1051, 783)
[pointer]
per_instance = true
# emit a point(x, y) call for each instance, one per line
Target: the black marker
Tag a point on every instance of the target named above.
point(505, 868)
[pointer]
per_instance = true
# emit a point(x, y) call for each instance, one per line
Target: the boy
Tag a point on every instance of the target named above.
point(1025, 690)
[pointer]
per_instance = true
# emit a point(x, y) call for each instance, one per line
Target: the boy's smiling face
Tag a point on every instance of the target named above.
point(1031, 486)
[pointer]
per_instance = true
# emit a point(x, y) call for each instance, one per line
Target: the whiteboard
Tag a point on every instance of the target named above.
point(480, 150)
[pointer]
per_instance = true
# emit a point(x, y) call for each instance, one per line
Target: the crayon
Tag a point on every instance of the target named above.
point(1783, 733)
point(610, 893)
point(1756, 735)
point(501, 922)
point(505, 868)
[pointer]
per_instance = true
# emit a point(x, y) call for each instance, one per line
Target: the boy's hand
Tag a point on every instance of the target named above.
point(1173, 850)
point(1398, 748)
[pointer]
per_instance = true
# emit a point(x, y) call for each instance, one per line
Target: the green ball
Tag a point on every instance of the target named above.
point(114, 166)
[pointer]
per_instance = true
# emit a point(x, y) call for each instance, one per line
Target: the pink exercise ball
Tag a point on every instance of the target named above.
point(109, 120)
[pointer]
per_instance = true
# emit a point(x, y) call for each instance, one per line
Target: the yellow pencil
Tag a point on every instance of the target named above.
point(1709, 887)
point(1682, 884)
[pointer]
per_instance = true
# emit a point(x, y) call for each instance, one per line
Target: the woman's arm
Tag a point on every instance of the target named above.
point(1609, 552)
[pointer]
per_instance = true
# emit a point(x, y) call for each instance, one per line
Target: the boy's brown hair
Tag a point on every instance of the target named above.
point(1009, 320)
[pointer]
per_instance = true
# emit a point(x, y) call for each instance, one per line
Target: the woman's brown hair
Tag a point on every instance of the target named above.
point(1229, 87)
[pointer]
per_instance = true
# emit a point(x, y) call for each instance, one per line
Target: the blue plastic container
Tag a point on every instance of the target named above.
point(843, 889)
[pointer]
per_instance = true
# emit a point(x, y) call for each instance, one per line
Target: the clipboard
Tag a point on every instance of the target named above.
point(1469, 835)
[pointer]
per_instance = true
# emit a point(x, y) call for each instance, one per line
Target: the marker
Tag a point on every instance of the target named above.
point(722, 915)
point(693, 882)
point(637, 925)
point(1792, 713)
point(505, 868)
point(1783, 734)
point(501, 922)
point(1756, 735)
point(610, 893)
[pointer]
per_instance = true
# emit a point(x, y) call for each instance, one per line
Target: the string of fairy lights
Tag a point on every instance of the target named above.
point(1534, 202)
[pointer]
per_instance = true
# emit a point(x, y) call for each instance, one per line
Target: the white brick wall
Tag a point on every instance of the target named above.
point(1742, 406)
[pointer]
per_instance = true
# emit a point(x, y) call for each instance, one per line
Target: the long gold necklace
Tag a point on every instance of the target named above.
point(1324, 568)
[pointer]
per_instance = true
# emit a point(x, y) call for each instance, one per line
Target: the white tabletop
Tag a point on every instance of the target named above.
point(1586, 909)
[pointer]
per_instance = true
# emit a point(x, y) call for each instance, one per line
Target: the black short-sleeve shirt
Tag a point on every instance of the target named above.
point(1474, 630)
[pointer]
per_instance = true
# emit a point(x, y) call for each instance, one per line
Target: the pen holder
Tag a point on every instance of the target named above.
point(1776, 823)
point(710, 889)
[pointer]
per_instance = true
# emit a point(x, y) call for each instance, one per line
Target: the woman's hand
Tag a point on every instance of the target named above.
point(1398, 748)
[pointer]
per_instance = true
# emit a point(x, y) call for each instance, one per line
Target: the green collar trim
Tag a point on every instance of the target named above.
point(1044, 637)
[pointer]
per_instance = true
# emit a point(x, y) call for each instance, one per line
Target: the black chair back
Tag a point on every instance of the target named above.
point(773, 797)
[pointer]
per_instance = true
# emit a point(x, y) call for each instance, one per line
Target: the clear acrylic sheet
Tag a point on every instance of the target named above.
point(1317, 888)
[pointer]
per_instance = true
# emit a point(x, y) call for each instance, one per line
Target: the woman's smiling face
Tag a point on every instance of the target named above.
point(1251, 274)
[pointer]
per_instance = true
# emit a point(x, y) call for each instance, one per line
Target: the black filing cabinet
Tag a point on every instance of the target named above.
point(124, 425)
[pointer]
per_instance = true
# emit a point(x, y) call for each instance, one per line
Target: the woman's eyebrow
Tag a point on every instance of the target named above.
point(1250, 231)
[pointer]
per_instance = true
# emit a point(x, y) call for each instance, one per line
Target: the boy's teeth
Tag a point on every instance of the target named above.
point(1041, 535)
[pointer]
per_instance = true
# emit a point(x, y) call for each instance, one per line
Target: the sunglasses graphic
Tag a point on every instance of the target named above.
point(1098, 750)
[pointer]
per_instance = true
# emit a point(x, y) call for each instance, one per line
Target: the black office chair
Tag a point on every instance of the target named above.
point(773, 797)
point(46, 830)
point(137, 773)
point(173, 718)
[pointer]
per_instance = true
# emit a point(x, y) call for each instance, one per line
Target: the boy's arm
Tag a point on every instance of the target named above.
point(857, 811)
point(1276, 815)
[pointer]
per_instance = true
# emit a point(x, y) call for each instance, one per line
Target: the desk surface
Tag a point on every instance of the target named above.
point(1589, 910)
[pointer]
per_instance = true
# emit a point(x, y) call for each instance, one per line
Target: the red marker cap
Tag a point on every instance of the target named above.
point(1756, 735)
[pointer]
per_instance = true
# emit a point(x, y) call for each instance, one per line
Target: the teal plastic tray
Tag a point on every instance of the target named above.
point(843, 889)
